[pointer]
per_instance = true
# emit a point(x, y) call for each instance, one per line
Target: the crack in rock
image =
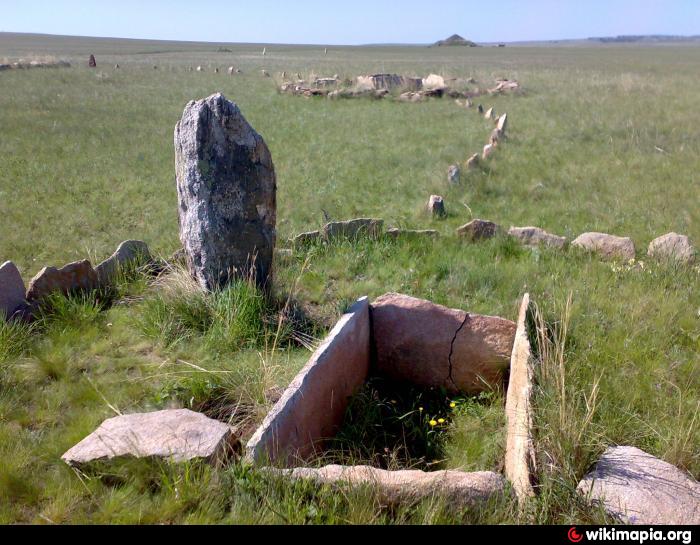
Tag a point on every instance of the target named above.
point(452, 347)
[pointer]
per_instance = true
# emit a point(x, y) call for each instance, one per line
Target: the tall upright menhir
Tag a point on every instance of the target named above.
point(226, 190)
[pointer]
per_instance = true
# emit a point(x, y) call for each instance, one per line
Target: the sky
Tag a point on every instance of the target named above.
point(350, 22)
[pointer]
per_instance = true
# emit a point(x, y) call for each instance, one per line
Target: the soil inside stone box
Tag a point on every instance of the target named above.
point(394, 426)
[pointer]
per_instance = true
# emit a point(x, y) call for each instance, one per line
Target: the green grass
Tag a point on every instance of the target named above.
point(86, 161)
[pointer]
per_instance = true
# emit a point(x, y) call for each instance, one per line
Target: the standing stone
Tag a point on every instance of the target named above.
point(436, 206)
point(480, 109)
point(231, 70)
point(607, 246)
point(488, 151)
point(91, 62)
point(479, 230)
point(226, 193)
point(637, 488)
point(489, 113)
point(11, 289)
point(453, 174)
point(473, 162)
point(672, 247)
point(73, 278)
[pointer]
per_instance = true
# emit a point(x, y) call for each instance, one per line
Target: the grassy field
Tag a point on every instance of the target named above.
point(603, 138)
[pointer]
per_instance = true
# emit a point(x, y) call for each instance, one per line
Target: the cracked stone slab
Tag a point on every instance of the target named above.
point(313, 406)
point(430, 345)
point(520, 461)
point(178, 435)
point(393, 488)
point(637, 488)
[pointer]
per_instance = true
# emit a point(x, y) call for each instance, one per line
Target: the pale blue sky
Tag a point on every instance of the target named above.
point(350, 21)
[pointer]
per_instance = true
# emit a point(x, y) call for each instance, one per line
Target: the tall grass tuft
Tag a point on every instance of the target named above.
point(566, 436)
point(228, 319)
point(15, 339)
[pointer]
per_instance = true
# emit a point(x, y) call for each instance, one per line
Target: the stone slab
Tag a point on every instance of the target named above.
point(313, 406)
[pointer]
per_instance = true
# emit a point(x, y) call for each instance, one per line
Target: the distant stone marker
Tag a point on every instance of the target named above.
point(226, 192)
point(473, 162)
point(436, 206)
point(502, 123)
point(488, 151)
point(453, 174)
point(91, 62)
point(11, 289)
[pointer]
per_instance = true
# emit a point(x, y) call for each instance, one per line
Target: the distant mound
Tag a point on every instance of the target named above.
point(455, 39)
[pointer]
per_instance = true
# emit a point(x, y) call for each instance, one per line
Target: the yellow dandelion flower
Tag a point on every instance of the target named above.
point(453, 405)
point(433, 423)
point(421, 409)
point(441, 420)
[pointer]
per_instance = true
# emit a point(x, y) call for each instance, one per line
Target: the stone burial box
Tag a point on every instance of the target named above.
point(412, 341)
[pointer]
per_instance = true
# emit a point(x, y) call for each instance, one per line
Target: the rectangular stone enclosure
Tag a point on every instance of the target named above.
point(312, 408)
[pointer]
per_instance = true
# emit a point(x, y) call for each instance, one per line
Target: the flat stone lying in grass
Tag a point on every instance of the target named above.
point(637, 488)
point(534, 236)
point(458, 488)
point(672, 247)
point(11, 289)
point(396, 233)
point(429, 345)
point(313, 406)
point(479, 230)
point(77, 277)
point(303, 239)
point(178, 435)
point(520, 450)
point(607, 246)
point(129, 252)
point(353, 229)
